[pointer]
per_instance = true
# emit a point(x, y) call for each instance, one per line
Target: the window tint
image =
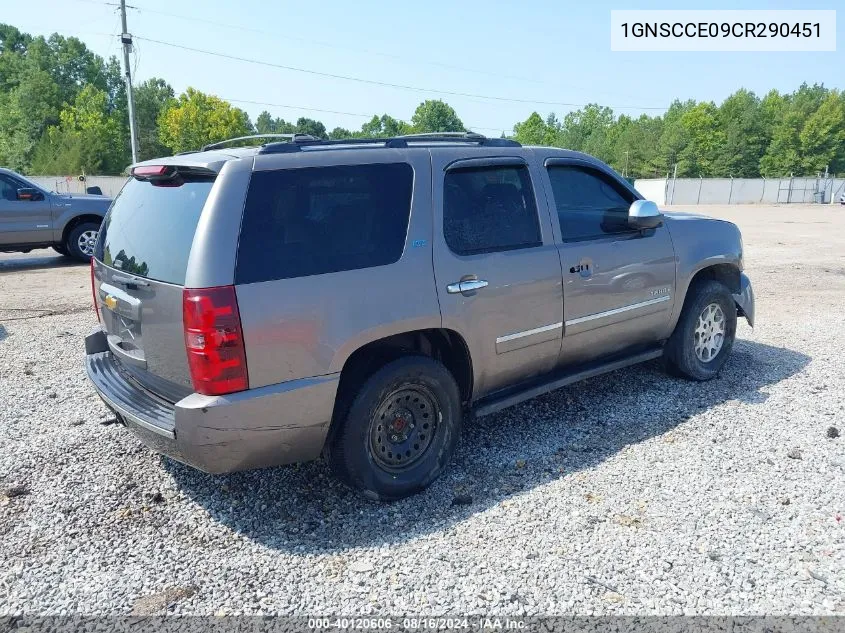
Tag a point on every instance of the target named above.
point(149, 229)
point(589, 204)
point(8, 189)
point(489, 209)
point(315, 220)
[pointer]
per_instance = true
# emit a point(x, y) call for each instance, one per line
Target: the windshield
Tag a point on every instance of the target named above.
point(150, 228)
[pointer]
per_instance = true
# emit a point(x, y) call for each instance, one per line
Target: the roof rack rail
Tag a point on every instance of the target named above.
point(458, 137)
point(445, 136)
point(290, 138)
point(301, 140)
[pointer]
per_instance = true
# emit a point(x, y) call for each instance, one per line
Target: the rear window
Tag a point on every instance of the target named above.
point(149, 230)
point(316, 220)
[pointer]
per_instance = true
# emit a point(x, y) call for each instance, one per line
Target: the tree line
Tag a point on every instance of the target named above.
point(63, 110)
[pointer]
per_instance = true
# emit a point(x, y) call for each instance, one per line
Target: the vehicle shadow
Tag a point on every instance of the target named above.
point(302, 508)
point(46, 258)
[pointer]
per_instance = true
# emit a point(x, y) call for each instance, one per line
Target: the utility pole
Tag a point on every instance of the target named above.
point(626, 165)
point(126, 39)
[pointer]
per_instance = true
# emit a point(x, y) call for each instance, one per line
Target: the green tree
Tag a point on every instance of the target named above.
point(152, 97)
point(73, 66)
point(705, 141)
point(586, 130)
point(39, 77)
point(384, 126)
point(13, 64)
point(340, 133)
point(785, 152)
point(25, 113)
point(310, 126)
point(87, 139)
point(741, 119)
point(823, 136)
point(674, 136)
point(436, 116)
point(535, 131)
point(196, 119)
point(633, 145)
point(266, 124)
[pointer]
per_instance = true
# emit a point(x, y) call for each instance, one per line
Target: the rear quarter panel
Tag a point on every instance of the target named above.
point(309, 326)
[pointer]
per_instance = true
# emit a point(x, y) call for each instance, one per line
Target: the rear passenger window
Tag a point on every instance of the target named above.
point(589, 204)
point(315, 220)
point(489, 209)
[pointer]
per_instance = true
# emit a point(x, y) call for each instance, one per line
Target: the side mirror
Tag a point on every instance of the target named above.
point(30, 194)
point(643, 215)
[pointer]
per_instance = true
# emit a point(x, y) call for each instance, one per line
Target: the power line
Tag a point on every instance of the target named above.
point(374, 82)
point(296, 107)
point(357, 114)
point(294, 38)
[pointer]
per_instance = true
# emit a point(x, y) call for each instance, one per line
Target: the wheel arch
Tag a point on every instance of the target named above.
point(716, 269)
point(76, 221)
point(728, 274)
point(441, 344)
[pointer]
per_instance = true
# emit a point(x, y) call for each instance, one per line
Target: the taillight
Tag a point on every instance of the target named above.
point(214, 340)
point(94, 291)
point(151, 171)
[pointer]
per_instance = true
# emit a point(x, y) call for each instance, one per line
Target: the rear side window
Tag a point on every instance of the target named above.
point(316, 220)
point(589, 204)
point(488, 209)
point(150, 228)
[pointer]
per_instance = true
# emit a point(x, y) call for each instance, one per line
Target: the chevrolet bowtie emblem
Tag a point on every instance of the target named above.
point(111, 302)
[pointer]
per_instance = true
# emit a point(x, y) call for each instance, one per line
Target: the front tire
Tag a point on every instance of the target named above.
point(80, 241)
point(61, 250)
point(704, 335)
point(400, 430)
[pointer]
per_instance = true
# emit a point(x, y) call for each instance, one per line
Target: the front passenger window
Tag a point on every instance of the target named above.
point(589, 204)
point(8, 189)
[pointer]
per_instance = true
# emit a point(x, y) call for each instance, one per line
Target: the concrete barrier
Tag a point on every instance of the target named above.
point(653, 189)
point(109, 185)
point(741, 190)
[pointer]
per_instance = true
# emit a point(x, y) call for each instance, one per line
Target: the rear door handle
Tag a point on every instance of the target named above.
point(468, 285)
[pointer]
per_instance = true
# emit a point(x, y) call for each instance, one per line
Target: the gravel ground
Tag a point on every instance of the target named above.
point(632, 493)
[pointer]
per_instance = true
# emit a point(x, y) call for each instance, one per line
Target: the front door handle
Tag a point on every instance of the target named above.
point(468, 285)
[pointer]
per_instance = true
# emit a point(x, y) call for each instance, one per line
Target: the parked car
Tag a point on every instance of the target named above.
point(31, 217)
point(363, 298)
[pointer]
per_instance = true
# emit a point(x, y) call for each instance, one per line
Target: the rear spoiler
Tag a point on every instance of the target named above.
point(171, 175)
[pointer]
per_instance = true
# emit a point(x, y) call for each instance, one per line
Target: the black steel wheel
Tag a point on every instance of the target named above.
point(403, 427)
point(398, 431)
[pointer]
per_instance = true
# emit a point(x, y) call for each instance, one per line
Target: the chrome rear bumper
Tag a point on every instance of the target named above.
point(268, 426)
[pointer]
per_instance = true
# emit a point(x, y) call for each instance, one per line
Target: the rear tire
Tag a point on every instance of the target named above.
point(704, 335)
point(80, 241)
point(61, 250)
point(400, 430)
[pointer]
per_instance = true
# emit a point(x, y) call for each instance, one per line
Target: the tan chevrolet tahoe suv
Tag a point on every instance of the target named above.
point(362, 298)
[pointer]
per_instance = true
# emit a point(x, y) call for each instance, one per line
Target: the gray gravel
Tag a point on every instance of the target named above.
point(632, 493)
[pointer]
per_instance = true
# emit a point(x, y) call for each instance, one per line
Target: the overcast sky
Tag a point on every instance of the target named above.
point(539, 51)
